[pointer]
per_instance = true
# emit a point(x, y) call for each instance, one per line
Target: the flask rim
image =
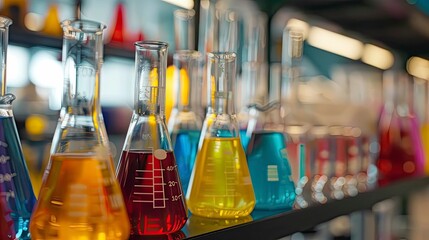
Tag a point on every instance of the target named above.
point(5, 22)
point(152, 45)
point(82, 25)
point(228, 56)
point(184, 14)
point(187, 54)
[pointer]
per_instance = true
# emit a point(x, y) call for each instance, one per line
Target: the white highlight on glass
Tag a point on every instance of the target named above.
point(418, 67)
point(377, 57)
point(188, 4)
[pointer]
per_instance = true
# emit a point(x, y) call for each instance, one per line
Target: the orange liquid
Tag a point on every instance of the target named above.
point(80, 199)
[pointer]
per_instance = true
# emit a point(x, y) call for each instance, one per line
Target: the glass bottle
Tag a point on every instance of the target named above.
point(220, 184)
point(147, 168)
point(401, 152)
point(185, 121)
point(16, 192)
point(80, 197)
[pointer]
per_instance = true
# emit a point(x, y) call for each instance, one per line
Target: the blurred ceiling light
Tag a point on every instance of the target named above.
point(188, 4)
point(418, 67)
point(377, 57)
point(33, 21)
point(17, 64)
point(300, 25)
point(335, 43)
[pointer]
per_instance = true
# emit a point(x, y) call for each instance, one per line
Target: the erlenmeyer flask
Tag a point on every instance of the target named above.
point(147, 168)
point(80, 197)
point(220, 184)
point(185, 123)
point(401, 152)
point(16, 191)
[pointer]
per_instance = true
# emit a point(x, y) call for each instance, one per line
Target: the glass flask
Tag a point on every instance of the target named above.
point(16, 191)
point(401, 151)
point(271, 148)
point(220, 185)
point(147, 169)
point(80, 197)
point(184, 35)
point(185, 123)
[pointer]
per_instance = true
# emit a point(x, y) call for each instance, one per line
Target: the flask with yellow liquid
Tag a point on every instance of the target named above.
point(220, 184)
point(80, 197)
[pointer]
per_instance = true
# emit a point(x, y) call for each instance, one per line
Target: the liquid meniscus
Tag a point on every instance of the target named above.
point(152, 192)
point(220, 185)
point(80, 199)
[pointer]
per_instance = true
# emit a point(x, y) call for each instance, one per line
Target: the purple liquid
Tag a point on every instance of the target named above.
point(152, 192)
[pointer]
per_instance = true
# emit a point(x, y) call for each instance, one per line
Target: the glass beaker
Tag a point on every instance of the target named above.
point(401, 152)
point(80, 197)
point(147, 169)
point(220, 184)
point(16, 191)
point(185, 122)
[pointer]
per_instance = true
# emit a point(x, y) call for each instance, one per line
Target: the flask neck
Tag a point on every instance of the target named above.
point(397, 92)
point(184, 29)
point(187, 80)
point(291, 61)
point(82, 59)
point(4, 37)
point(221, 74)
point(151, 65)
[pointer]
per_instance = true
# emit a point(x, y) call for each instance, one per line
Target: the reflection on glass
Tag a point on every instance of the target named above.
point(197, 225)
point(172, 236)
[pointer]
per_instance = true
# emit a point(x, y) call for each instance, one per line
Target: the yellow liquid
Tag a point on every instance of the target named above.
point(80, 199)
point(220, 185)
point(424, 132)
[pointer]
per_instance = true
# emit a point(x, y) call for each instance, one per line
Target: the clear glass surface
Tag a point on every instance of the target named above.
point(80, 197)
point(147, 170)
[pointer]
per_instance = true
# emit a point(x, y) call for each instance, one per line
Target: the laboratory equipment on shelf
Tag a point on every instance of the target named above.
point(279, 142)
point(185, 123)
point(16, 192)
point(147, 169)
point(401, 152)
point(220, 185)
point(80, 197)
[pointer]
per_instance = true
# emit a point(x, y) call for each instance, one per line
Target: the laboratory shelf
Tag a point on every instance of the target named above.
point(25, 38)
point(274, 225)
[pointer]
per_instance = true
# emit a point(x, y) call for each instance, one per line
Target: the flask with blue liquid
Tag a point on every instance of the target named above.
point(16, 192)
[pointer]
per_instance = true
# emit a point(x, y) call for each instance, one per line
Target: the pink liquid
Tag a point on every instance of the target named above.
point(401, 153)
point(152, 192)
point(6, 222)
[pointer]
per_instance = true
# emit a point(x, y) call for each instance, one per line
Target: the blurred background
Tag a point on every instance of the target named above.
point(348, 45)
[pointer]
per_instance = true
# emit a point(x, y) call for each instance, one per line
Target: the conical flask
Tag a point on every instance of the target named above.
point(16, 191)
point(147, 168)
point(220, 184)
point(80, 197)
point(401, 152)
point(274, 148)
point(185, 123)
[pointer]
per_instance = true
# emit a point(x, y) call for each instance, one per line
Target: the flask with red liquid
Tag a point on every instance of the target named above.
point(147, 169)
point(401, 152)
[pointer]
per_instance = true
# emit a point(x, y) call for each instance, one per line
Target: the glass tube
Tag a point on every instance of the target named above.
point(184, 28)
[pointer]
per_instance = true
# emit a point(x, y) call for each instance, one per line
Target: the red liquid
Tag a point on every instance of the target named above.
point(152, 192)
point(401, 154)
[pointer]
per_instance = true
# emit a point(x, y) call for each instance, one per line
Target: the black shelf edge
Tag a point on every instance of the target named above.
point(294, 221)
point(26, 38)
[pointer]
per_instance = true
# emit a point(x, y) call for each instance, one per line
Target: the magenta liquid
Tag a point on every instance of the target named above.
point(152, 192)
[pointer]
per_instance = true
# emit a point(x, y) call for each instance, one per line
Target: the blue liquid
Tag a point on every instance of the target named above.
point(244, 139)
point(16, 192)
point(270, 171)
point(185, 145)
